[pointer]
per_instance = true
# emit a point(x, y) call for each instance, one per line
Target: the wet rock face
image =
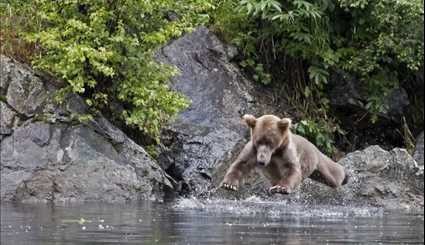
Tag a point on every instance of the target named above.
point(419, 152)
point(47, 155)
point(206, 134)
point(390, 179)
point(203, 141)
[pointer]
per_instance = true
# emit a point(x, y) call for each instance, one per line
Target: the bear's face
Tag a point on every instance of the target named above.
point(268, 133)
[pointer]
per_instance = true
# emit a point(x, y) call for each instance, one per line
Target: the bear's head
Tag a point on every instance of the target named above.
point(268, 134)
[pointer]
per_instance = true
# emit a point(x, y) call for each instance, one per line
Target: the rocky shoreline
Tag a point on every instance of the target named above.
point(48, 154)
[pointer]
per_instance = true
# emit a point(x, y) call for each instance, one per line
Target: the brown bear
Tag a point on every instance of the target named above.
point(284, 157)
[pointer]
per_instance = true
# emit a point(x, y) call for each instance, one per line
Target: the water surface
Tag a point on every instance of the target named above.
point(191, 221)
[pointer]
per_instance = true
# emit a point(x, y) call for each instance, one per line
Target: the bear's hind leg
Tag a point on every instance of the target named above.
point(317, 176)
point(330, 173)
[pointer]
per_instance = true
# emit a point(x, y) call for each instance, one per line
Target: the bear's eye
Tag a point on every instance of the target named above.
point(264, 141)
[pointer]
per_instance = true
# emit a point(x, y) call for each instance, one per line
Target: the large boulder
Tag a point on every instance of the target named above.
point(419, 151)
point(348, 93)
point(390, 179)
point(349, 99)
point(209, 132)
point(47, 154)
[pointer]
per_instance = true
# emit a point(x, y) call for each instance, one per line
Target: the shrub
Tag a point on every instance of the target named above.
point(300, 42)
point(104, 50)
point(318, 132)
point(16, 19)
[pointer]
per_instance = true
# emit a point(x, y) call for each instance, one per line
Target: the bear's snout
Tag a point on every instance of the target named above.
point(261, 163)
point(263, 156)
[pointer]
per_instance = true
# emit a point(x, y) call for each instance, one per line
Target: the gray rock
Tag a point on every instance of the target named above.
point(4, 69)
point(25, 91)
point(377, 178)
point(78, 165)
point(384, 178)
point(51, 157)
point(419, 152)
point(7, 119)
point(205, 135)
point(396, 103)
point(347, 93)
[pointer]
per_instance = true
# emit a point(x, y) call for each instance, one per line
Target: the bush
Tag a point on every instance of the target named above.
point(104, 50)
point(300, 42)
point(319, 133)
point(16, 19)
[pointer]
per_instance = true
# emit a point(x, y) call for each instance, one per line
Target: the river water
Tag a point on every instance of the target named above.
point(190, 221)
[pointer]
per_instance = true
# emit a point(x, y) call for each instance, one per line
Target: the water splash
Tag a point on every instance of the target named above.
point(255, 206)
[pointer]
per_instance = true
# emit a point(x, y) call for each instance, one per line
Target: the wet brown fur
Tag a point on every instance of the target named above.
point(288, 158)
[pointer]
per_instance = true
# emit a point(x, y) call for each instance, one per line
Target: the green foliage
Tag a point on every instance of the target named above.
point(386, 40)
point(320, 133)
point(152, 150)
point(14, 20)
point(104, 50)
point(300, 42)
point(259, 74)
point(365, 38)
point(408, 138)
point(83, 118)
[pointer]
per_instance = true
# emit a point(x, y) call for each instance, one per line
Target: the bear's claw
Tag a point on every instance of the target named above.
point(230, 187)
point(280, 189)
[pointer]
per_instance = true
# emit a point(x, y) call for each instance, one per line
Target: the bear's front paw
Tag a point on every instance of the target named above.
point(280, 189)
point(227, 186)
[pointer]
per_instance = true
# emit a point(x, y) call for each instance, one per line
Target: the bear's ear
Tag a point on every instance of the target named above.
point(250, 120)
point(284, 124)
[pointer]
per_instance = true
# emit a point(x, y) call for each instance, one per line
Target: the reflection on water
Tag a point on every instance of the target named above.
point(209, 222)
